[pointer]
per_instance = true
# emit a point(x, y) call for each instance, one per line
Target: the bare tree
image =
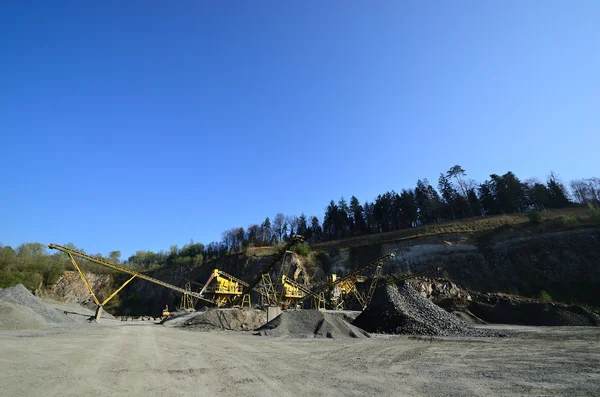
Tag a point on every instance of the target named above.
point(586, 190)
point(292, 221)
point(279, 226)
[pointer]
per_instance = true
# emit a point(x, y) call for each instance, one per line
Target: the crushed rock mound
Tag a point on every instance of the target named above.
point(27, 309)
point(310, 324)
point(13, 317)
point(402, 310)
point(218, 319)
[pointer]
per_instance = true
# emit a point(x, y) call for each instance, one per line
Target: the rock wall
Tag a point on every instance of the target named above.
point(70, 287)
point(565, 265)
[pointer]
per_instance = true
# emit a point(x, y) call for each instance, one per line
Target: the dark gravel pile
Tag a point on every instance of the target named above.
point(402, 310)
point(19, 295)
point(310, 324)
point(218, 319)
point(503, 310)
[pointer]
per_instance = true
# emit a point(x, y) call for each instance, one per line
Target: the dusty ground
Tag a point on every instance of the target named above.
point(143, 359)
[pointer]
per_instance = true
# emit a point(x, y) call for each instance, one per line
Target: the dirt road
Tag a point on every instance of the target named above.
point(125, 359)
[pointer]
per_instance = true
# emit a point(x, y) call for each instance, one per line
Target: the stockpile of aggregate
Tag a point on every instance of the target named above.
point(310, 324)
point(13, 317)
point(402, 310)
point(22, 310)
point(218, 319)
point(513, 310)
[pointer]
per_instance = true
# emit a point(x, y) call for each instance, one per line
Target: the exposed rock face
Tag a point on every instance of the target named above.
point(564, 264)
point(501, 308)
point(70, 287)
point(438, 290)
point(520, 261)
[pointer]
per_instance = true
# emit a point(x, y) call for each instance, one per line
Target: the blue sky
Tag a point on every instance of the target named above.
point(141, 124)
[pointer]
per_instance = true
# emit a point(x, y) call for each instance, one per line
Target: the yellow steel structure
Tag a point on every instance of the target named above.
point(188, 302)
point(72, 253)
point(270, 295)
point(344, 290)
point(347, 280)
point(295, 293)
point(87, 285)
point(290, 292)
point(225, 288)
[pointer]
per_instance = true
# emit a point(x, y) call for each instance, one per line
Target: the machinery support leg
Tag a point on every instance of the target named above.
point(246, 302)
point(98, 313)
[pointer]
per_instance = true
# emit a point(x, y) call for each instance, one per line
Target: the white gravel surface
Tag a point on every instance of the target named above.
point(147, 360)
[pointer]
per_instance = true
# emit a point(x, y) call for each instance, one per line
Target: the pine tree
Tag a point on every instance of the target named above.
point(302, 225)
point(557, 192)
point(356, 211)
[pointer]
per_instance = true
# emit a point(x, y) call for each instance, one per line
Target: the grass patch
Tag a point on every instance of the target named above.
point(594, 212)
point(463, 226)
point(570, 222)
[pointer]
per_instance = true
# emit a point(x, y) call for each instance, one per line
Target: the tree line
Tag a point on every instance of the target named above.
point(454, 197)
point(34, 266)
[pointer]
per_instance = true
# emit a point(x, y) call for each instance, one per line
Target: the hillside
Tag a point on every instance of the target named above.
point(558, 258)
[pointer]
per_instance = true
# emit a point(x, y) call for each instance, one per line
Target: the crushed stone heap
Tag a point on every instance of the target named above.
point(218, 319)
point(22, 310)
point(402, 310)
point(310, 324)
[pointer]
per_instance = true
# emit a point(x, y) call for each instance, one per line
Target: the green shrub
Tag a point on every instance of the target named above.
point(31, 280)
point(534, 216)
point(302, 249)
point(52, 274)
point(570, 222)
point(544, 296)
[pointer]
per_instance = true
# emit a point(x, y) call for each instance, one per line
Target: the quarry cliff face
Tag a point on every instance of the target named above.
point(565, 264)
point(70, 287)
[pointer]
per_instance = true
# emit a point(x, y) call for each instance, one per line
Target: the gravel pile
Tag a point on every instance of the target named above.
point(218, 319)
point(310, 324)
point(402, 310)
point(78, 312)
point(27, 309)
point(13, 317)
point(505, 310)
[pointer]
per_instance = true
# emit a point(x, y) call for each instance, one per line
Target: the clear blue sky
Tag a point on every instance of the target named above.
point(140, 124)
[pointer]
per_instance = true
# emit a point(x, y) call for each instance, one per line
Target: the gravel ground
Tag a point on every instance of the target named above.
point(22, 298)
point(402, 310)
point(145, 360)
point(310, 324)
